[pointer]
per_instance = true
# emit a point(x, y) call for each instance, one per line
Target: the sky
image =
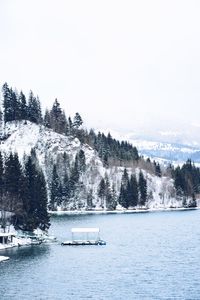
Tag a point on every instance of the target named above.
point(132, 66)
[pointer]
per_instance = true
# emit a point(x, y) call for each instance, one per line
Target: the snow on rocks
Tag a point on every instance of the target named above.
point(22, 136)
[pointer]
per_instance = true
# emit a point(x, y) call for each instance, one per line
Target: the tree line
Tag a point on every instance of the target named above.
point(133, 192)
point(187, 182)
point(16, 107)
point(63, 186)
point(23, 192)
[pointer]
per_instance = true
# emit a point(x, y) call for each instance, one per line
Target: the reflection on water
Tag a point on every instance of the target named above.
point(147, 256)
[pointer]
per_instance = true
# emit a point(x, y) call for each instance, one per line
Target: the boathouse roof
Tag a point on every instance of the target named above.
point(85, 230)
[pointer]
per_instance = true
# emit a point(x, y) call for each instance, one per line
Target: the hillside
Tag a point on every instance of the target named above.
point(49, 161)
point(56, 149)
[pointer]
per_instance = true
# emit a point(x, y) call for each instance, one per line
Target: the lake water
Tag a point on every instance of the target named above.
point(147, 256)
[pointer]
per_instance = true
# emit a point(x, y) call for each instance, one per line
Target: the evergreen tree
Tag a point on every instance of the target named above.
point(15, 106)
point(102, 191)
point(81, 159)
point(123, 195)
point(109, 195)
point(42, 199)
point(7, 103)
point(157, 169)
point(35, 198)
point(23, 110)
point(133, 191)
point(65, 188)
point(30, 203)
point(55, 190)
point(58, 118)
point(77, 121)
point(47, 119)
point(12, 180)
point(125, 178)
point(142, 189)
point(34, 109)
point(2, 203)
point(90, 199)
point(1, 177)
point(70, 126)
point(74, 176)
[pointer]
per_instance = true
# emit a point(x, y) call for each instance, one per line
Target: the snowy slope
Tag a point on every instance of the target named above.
point(50, 147)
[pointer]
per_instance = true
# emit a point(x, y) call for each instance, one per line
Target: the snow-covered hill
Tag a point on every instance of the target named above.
point(21, 137)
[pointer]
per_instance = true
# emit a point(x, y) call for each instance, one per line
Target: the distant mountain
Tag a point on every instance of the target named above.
point(162, 148)
point(169, 152)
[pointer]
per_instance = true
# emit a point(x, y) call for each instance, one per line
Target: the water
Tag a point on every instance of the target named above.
point(147, 256)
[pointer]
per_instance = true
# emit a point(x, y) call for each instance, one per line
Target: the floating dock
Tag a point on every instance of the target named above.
point(88, 237)
point(83, 243)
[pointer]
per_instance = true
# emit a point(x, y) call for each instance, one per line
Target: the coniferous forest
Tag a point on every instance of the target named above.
point(24, 191)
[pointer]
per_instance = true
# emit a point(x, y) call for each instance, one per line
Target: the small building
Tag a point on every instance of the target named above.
point(85, 236)
point(6, 238)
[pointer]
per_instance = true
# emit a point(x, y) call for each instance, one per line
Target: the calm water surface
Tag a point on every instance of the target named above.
point(147, 256)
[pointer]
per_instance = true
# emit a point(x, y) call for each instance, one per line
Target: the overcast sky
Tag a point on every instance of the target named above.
point(120, 64)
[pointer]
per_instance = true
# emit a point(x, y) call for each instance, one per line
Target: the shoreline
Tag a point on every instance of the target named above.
point(126, 211)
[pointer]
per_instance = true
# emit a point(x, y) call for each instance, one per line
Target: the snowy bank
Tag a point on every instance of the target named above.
point(124, 211)
point(3, 258)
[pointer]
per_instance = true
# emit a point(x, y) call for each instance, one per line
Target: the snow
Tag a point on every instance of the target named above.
point(49, 146)
point(3, 258)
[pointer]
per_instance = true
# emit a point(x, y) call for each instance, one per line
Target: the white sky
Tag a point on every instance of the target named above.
point(120, 64)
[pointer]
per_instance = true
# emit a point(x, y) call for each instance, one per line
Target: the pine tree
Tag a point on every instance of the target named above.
point(70, 126)
point(31, 200)
point(47, 119)
point(65, 188)
point(34, 198)
point(142, 189)
point(55, 190)
point(133, 192)
point(15, 106)
point(34, 109)
point(81, 159)
point(110, 200)
point(23, 110)
point(63, 125)
point(125, 178)
point(2, 206)
point(58, 118)
point(7, 103)
point(42, 200)
point(77, 122)
point(1, 177)
point(74, 176)
point(157, 169)
point(90, 199)
point(123, 196)
point(12, 180)
point(102, 191)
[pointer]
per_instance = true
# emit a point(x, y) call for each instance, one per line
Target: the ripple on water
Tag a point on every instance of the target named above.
point(147, 256)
